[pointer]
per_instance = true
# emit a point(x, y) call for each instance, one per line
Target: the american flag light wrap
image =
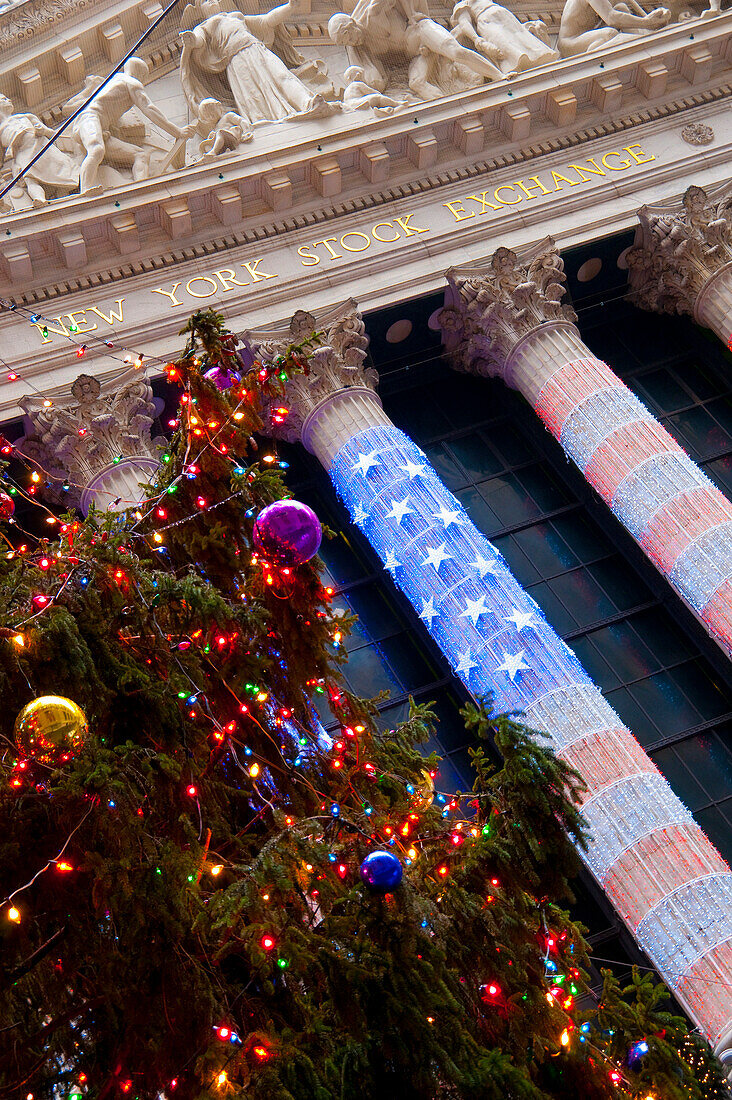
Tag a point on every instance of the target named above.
point(667, 881)
point(675, 513)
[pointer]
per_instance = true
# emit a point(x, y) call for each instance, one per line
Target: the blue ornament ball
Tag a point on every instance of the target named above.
point(381, 872)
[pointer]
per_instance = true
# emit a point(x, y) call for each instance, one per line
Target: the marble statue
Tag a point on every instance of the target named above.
point(22, 136)
point(358, 95)
point(379, 32)
point(233, 58)
point(97, 129)
point(223, 131)
point(495, 32)
point(589, 25)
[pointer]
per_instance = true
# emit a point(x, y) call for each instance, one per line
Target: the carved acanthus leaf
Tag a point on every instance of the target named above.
point(335, 361)
point(77, 438)
point(488, 310)
point(678, 248)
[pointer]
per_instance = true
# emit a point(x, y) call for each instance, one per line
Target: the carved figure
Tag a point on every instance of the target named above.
point(358, 95)
point(378, 31)
point(22, 136)
point(588, 25)
point(229, 57)
point(95, 127)
point(496, 32)
point(226, 130)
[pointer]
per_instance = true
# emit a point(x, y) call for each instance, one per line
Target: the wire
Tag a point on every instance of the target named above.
point(64, 126)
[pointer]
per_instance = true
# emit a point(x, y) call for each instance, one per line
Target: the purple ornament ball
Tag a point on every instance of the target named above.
point(381, 871)
point(222, 378)
point(287, 532)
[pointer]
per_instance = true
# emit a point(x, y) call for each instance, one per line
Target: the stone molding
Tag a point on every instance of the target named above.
point(679, 247)
point(81, 437)
point(335, 363)
point(489, 309)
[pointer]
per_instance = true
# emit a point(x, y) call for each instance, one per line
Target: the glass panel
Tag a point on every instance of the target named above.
point(583, 597)
point(710, 761)
point(709, 697)
point(418, 415)
point(634, 716)
point(475, 456)
point(510, 442)
point(718, 828)
point(600, 671)
point(484, 518)
point(663, 390)
point(508, 500)
point(622, 584)
point(546, 549)
point(701, 379)
point(661, 698)
point(367, 672)
point(557, 614)
point(376, 612)
point(344, 562)
point(408, 662)
point(682, 781)
point(696, 430)
point(446, 466)
point(722, 412)
point(522, 569)
point(544, 488)
point(583, 536)
point(623, 650)
point(663, 636)
point(720, 471)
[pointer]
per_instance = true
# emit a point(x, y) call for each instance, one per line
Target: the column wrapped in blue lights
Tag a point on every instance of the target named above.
point(667, 881)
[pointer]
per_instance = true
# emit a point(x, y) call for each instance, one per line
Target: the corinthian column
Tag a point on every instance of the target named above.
point(681, 261)
point(96, 440)
point(668, 883)
point(507, 319)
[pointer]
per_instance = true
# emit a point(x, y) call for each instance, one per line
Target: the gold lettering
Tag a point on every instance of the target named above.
point(506, 187)
point(403, 223)
point(384, 240)
point(520, 183)
point(251, 266)
point(201, 279)
point(557, 176)
point(537, 181)
point(226, 276)
point(308, 259)
point(333, 255)
point(170, 294)
point(62, 331)
point(484, 202)
point(352, 234)
point(83, 325)
point(595, 171)
point(648, 157)
point(460, 215)
point(113, 315)
point(623, 165)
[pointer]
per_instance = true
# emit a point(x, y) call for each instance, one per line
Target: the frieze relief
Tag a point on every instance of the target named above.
point(241, 74)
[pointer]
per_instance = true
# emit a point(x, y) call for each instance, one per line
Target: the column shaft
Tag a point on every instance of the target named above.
point(713, 307)
point(506, 319)
point(669, 884)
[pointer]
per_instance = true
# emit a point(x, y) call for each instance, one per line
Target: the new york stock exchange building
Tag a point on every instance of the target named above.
point(511, 228)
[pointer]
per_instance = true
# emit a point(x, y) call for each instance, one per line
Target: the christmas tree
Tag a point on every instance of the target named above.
point(202, 892)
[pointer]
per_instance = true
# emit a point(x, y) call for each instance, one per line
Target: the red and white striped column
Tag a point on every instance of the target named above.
point(507, 320)
point(681, 261)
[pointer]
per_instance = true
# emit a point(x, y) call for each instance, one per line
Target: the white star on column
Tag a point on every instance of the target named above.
point(428, 613)
point(365, 462)
point(359, 516)
point(521, 618)
point(399, 509)
point(465, 662)
point(513, 663)
point(474, 609)
point(436, 556)
point(414, 470)
point(483, 565)
point(391, 563)
point(447, 516)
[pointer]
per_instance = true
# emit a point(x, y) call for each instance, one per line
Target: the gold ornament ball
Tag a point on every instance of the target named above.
point(51, 729)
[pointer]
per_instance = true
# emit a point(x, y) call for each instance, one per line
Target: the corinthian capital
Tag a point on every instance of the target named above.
point(96, 439)
point(335, 362)
point(488, 309)
point(679, 247)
